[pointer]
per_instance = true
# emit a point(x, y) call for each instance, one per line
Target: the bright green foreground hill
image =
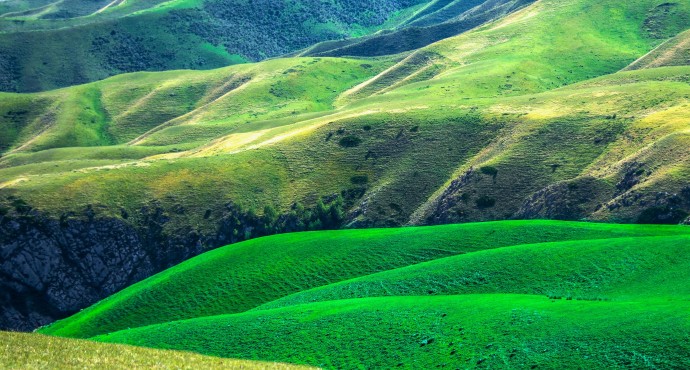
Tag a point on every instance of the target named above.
point(485, 331)
point(239, 277)
point(34, 351)
point(518, 293)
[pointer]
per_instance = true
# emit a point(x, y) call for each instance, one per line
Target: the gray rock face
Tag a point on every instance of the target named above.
point(570, 200)
point(49, 269)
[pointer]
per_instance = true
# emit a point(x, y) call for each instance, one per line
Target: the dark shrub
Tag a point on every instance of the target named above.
point(360, 179)
point(21, 206)
point(485, 202)
point(662, 215)
point(489, 170)
point(350, 141)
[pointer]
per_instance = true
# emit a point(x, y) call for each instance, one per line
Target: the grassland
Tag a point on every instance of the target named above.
point(75, 41)
point(517, 293)
point(482, 331)
point(550, 114)
point(674, 52)
point(236, 278)
point(34, 351)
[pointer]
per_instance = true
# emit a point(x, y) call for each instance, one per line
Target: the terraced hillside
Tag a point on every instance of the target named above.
point(516, 293)
point(529, 116)
point(34, 351)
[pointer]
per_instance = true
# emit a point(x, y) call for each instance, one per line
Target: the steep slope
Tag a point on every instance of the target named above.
point(75, 41)
point(33, 351)
point(236, 278)
point(27, 10)
point(427, 27)
point(132, 107)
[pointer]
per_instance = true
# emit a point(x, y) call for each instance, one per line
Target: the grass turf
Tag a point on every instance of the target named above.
point(482, 331)
point(620, 269)
point(238, 278)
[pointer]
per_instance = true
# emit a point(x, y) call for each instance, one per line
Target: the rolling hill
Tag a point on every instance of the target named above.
point(438, 20)
point(51, 44)
point(75, 41)
point(528, 116)
point(482, 331)
point(516, 293)
point(235, 278)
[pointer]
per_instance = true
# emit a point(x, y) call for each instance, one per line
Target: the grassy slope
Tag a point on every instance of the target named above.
point(484, 331)
point(35, 351)
point(71, 12)
point(617, 302)
point(487, 105)
point(674, 52)
point(610, 269)
point(42, 54)
point(427, 26)
point(241, 279)
point(123, 108)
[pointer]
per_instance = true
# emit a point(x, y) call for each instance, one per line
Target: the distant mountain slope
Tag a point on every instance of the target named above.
point(453, 19)
point(74, 42)
point(25, 10)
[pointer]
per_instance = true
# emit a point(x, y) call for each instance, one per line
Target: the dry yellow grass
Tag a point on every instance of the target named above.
point(35, 351)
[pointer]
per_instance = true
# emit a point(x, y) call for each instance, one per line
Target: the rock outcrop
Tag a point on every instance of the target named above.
point(51, 268)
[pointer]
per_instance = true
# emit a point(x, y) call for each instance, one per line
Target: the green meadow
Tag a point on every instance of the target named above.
point(512, 293)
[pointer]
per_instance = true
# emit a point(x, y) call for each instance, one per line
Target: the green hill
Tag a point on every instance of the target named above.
point(521, 293)
point(34, 351)
point(482, 331)
point(47, 45)
point(236, 278)
point(490, 105)
point(438, 20)
point(619, 269)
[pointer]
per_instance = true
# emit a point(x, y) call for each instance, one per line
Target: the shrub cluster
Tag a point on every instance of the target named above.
point(270, 28)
